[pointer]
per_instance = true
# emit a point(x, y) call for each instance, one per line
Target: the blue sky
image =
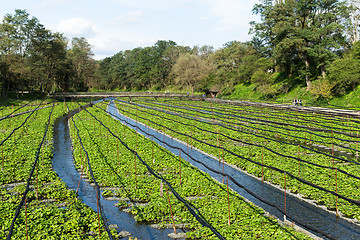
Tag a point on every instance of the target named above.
point(111, 26)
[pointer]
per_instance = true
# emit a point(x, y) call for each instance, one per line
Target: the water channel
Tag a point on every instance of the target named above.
point(308, 213)
point(64, 166)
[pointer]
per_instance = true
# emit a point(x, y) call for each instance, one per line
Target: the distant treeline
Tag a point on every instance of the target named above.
point(33, 58)
point(309, 43)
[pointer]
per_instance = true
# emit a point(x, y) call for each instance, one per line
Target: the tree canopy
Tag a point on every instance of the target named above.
point(311, 43)
point(35, 59)
point(302, 36)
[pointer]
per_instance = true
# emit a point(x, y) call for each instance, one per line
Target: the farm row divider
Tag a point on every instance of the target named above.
point(328, 111)
point(292, 116)
point(257, 145)
point(2, 142)
point(21, 113)
point(266, 130)
point(191, 210)
point(228, 176)
point(250, 118)
point(22, 106)
point(356, 202)
point(267, 122)
point(99, 206)
point(17, 212)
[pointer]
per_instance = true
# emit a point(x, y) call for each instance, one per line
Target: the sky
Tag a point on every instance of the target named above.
point(111, 26)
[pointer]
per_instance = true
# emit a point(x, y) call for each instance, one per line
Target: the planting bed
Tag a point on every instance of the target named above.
point(312, 155)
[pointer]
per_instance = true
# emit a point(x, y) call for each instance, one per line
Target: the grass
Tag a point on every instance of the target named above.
point(248, 92)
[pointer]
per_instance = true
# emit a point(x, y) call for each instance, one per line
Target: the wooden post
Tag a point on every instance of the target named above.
point(223, 160)
point(298, 160)
point(172, 216)
point(262, 162)
point(332, 140)
point(98, 212)
point(135, 171)
point(152, 149)
point(217, 135)
point(26, 223)
point(249, 141)
point(336, 185)
point(136, 117)
point(227, 186)
point(357, 142)
point(285, 195)
point(78, 186)
point(180, 165)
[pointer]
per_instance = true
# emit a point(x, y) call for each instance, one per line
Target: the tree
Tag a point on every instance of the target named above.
point(80, 55)
point(48, 60)
point(305, 34)
point(190, 69)
point(16, 33)
point(354, 21)
point(141, 68)
point(344, 73)
point(32, 57)
point(235, 63)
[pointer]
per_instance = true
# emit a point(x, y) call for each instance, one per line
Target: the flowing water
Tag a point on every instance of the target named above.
point(64, 166)
point(306, 212)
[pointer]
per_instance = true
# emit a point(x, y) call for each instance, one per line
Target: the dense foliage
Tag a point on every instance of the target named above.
point(33, 58)
point(52, 210)
point(116, 167)
point(296, 43)
point(292, 141)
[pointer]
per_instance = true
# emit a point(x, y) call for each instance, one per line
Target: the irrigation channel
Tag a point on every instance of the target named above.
point(64, 166)
point(302, 210)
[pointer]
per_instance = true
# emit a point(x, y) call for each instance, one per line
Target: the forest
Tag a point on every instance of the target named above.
point(313, 44)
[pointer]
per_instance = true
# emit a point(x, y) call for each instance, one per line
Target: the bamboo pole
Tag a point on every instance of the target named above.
point(172, 215)
point(228, 198)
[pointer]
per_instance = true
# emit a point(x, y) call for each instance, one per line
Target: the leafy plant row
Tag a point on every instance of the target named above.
point(115, 166)
point(294, 115)
point(22, 106)
point(306, 133)
point(316, 175)
point(52, 211)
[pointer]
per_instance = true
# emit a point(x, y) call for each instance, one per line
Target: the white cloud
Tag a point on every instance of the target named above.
point(132, 17)
point(105, 45)
point(77, 27)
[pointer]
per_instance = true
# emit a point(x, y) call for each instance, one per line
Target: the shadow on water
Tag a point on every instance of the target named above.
point(64, 166)
point(306, 212)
